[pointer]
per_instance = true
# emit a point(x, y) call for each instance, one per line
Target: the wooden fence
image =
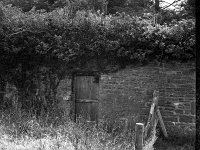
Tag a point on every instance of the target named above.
point(142, 132)
point(145, 133)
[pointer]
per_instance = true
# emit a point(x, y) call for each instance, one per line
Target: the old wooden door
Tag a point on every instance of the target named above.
point(86, 90)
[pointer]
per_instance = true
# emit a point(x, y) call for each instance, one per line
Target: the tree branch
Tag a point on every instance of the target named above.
point(165, 2)
point(16, 33)
point(170, 3)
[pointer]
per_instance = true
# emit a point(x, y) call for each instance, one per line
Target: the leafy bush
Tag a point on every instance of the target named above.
point(86, 33)
point(61, 40)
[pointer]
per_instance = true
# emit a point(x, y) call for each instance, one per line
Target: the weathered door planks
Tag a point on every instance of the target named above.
point(86, 97)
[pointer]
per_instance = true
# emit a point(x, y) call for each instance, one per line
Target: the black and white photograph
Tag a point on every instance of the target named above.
point(98, 75)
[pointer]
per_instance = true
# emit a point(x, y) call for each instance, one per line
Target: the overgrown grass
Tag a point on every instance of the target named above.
point(25, 132)
point(178, 139)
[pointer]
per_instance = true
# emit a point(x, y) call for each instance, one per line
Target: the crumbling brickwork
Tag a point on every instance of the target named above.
point(127, 94)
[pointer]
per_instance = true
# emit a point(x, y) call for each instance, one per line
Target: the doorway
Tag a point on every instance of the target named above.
point(86, 97)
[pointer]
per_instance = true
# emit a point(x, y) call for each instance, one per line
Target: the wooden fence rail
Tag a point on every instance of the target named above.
point(141, 132)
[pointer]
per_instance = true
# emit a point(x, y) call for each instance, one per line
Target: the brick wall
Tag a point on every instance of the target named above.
point(127, 94)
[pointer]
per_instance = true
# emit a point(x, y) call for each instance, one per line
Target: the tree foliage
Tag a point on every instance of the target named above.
point(48, 5)
point(61, 40)
point(128, 6)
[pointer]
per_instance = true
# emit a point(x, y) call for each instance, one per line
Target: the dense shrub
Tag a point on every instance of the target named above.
point(62, 39)
point(86, 33)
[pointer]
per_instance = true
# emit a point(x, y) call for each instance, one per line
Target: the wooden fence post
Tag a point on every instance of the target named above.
point(161, 122)
point(151, 116)
point(139, 131)
point(155, 116)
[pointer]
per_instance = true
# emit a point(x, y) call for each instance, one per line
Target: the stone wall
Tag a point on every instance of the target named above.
point(127, 94)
